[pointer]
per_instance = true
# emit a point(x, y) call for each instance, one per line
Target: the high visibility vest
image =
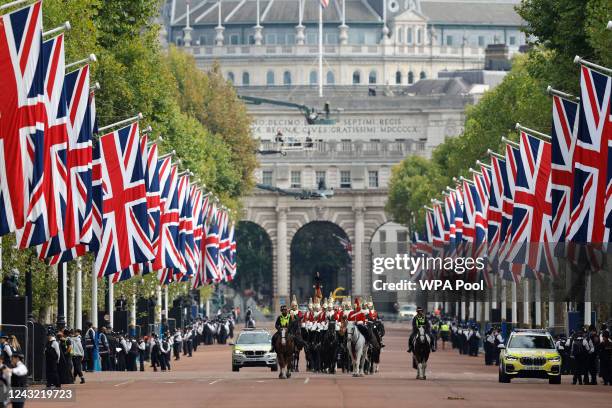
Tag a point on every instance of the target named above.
point(420, 321)
point(284, 320)
point(444, 328)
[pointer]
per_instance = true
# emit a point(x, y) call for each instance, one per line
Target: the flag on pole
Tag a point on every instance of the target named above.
point(494, 211)
point(125, 231)
point(23, 115)
point(81, 125)
point(212, 273)
point(324, 3)
point(49, 184)
point(168, 254)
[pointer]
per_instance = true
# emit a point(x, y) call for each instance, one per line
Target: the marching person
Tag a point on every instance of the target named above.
point(593, 339)
point(156, 354)
point(418, 321)
point(77, 355)
point(444, 333)
point(142, 346)
point(104, 350)
point(578, 346)
point(177, 340)
point(5, 350)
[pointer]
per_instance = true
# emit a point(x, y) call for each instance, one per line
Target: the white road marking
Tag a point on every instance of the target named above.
point(216, 381)
point(123, 383)
point(306, 380)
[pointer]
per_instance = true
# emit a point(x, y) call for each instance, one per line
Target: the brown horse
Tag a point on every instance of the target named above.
point(284, 347)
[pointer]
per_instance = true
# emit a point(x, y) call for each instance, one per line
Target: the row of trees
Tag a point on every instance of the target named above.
point(560, 29)
point(197, 113)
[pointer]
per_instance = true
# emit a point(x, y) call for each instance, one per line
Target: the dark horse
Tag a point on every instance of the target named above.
point(329, 349)
point(298, 343)
point(378, 331)
point(420, 354)
point(284, 347)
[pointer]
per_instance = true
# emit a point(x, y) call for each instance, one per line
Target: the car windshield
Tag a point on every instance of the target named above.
point(408, 308)
point(253, 338)
point(531, 342)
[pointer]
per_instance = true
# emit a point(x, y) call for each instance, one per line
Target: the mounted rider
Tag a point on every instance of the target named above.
point(373, 317)
point(418, 321)
point(295, 311)
point(282, 322)
point(358, 316)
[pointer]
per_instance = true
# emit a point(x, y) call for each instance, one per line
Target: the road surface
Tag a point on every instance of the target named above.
point(206, 380)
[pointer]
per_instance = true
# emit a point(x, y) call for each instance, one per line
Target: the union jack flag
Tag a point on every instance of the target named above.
point(49, 183)
point(508, 270)
point(564, 131)
point(478, 196)
point(212, 273)
point(494, 211)
point(198, 220)
point(150, 154)
point(458, 196)
point(186, 239)
point(224, 246)
point(81, 126)
point(168, 254)
point(22, 114)
point(125, 232)
point(591, 185)
point(231, 261)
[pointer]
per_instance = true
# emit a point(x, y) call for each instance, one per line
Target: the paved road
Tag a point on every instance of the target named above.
point(206, 380)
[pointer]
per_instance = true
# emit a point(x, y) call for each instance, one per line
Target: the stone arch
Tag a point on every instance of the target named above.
point(255, 260)
point(324, 247)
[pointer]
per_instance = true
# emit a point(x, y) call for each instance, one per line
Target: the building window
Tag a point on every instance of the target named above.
point(320, 180)
point(356, 78)
point(204, 40)
point(296, 179)
point(331, 38)
point(345, 145)
point(400, 35)
point(234, 39)
point(409, 35)
point(410, 77)
point(312, 38)
point(372, 77)
point(271, 39)
point(481, 41)
point(266, 177)
point(230, 77)
point(246, 79)
point(345, 179)
point(422, 75)
point(287, 78)
point(512, 40)
point(402, 242)
point(270, 78)
point(398, 77)
point(419, 36)
point(373, 179)
point(383, 241)
point(313, 77)
point(449, 40)
point(330, 78)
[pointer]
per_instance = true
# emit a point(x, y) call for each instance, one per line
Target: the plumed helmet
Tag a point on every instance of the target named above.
point(310, 304)
point(294, 301)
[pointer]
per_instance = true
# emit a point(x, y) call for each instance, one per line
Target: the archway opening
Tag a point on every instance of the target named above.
point(324, 247)
point(254, 261)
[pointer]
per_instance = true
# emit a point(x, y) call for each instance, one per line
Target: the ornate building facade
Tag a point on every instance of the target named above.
point(389, 78)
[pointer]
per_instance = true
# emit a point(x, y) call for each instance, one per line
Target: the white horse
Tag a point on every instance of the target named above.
point(420, 354)
point(356, 346)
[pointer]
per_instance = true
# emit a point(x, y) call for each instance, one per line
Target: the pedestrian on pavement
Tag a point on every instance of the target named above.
point(77, 354)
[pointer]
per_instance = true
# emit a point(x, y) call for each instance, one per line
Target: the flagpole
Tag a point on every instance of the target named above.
point(13, 3)
point(90, 58)
point(78, 310)
point(121, 122)
point(65, 27)
point(111, 302)
point(94, 298)
point(532, 132)
point(578, 60)
point(551, 91)
point(60, 318)
point(320, 50)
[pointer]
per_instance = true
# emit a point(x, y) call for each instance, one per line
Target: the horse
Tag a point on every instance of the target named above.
point(284, 347)
point(356, 345)
point(374, 352)
point(296, 331)
point(329, 349)
point(421, 348)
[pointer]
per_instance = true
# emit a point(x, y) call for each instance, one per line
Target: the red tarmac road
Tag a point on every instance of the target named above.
point(206, 380)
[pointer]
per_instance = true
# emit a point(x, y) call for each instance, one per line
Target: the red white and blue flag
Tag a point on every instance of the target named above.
point(563, 142)
point(494, 211)
point(125, 237)
point(49, 184)
point(591, 184)
point(81, 126)
point(211, 259)
point(22, 111)
point(168, 254)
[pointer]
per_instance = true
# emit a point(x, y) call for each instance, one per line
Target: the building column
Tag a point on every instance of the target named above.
point(299, 29)
point(343, 27)
point(219, 28)
point(282, 257)
point(358, 251)
point(258, 36)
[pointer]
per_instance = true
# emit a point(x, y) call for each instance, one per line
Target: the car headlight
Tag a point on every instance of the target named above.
point(511, 358)
point(555, 359)
point(237, 352)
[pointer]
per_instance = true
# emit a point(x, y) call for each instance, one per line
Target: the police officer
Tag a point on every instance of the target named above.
point(444, 330)
point(282, 322)
point(19, 375)
point(52, 359)
point(418, 321)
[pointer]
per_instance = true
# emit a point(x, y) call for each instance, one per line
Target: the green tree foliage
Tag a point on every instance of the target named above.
point(559, 30)
point(197, 114)
point(254, 260)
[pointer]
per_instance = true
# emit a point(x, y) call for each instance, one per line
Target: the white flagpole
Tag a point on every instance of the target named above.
point(111, 302)
point(78, 310)
point(94, 298)
point(320, 49)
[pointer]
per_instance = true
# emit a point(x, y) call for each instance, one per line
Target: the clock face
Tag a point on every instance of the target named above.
point(393, 6)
